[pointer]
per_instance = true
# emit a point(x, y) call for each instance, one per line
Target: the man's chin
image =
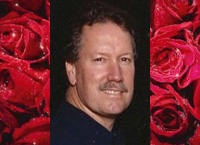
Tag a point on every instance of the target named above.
point(114, 112)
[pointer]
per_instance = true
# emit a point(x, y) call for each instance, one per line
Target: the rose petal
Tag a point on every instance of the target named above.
point(35, 131)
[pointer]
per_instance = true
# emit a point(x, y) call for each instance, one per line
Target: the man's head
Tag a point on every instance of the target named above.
point(92, 13)
point(100, 67)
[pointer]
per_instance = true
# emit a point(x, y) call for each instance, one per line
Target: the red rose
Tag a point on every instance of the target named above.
point(182, 32)
point(26, 37)
point(25, 72)
point(36, 131)
point(175, 61)
point(20, 83)
point(169, 59)
point(167, 12)
point(172, 57)
point(169, 116)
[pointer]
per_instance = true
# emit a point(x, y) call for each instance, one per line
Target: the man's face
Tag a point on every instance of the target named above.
point(104, 73)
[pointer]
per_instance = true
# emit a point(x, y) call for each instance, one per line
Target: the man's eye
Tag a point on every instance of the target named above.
point(99, 59)
point(125, 59)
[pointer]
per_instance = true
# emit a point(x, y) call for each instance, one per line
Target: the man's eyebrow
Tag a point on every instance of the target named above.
point(128, 53)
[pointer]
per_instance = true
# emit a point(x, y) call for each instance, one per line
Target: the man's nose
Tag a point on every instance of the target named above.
point(115, 72)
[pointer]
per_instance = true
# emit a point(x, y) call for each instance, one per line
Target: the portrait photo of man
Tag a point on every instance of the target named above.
point(98, 56)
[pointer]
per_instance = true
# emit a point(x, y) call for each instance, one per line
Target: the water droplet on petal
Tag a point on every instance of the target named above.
point(16, 4)
point(41, 46)
point(13, 34)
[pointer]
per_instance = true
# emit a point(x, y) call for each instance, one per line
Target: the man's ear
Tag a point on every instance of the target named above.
point(71, 72)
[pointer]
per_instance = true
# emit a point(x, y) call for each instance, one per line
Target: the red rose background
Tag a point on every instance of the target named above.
point(175, 72)
point(24, 72)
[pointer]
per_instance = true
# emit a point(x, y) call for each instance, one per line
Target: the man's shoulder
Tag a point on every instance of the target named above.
point(63, 134)
point(71, 126)
point(66, 127)
point(65, 131)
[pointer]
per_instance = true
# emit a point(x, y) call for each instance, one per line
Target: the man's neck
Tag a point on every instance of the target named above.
point(72, 98)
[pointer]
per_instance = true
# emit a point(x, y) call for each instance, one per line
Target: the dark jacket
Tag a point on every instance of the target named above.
point(71, 126)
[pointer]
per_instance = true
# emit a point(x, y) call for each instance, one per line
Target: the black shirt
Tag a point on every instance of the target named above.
point(71, 126)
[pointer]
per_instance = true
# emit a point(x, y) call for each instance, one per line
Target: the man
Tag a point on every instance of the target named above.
point(100, 68)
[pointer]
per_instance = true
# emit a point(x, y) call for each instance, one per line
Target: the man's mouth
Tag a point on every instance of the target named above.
point(112, 92)
point(113, 88)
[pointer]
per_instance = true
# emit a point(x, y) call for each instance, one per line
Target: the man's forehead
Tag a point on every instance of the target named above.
point(99, 25)
point(93, 31)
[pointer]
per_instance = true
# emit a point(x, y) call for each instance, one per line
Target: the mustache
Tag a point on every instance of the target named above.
point(114, 85)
